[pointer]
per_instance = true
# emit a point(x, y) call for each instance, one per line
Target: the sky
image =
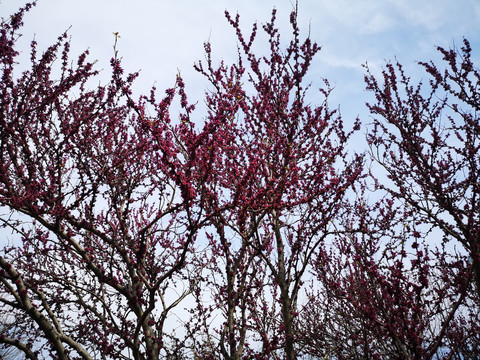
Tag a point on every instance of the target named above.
point(161, 37)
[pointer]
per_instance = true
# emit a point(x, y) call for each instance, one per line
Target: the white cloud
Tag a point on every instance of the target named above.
point(427, 14)
point(362, 17)
point(162, 36)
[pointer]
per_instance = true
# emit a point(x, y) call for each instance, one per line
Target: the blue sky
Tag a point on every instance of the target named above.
point(161, 37)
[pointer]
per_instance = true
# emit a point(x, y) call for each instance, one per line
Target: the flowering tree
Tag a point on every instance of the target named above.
point(99, 208)
point(279, 174)
point(386, 293)
point(427, 139)
point(429, 145)
point(103, 200)
point(404, 284)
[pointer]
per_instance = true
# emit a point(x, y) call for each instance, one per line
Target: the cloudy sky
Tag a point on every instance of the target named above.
point(162, 37)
